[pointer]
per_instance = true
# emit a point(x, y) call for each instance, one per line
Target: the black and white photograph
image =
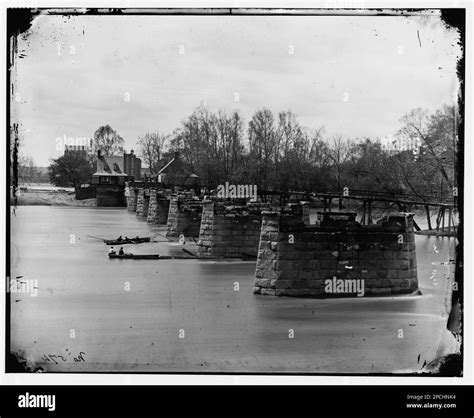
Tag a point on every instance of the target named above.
point(235, 191)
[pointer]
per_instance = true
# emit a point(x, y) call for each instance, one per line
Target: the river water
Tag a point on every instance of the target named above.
point(95, 314)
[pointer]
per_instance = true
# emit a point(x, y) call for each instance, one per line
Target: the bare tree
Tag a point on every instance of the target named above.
point(212, 143)
point(152, 146)
point(108, 141)
point(437, 134)
point(340, 152)
point(263, 137)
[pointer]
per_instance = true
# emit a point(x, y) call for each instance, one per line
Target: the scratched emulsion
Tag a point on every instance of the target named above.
point(94, 314)
point(128, 315)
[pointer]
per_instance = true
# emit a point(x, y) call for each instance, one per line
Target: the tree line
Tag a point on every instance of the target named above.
point(276, 153)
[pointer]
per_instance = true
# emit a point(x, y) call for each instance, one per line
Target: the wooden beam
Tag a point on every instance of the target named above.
point(383, 199)
point(454, 225)
point(438, 219)
point(363, 213)
point(369, 213)
point(415, 225)
point(449, 221)
point(428, 216)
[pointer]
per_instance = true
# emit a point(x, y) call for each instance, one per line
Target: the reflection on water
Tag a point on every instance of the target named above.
point(130, 314)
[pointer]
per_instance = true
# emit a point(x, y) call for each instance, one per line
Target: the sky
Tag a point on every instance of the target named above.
point(355, 76)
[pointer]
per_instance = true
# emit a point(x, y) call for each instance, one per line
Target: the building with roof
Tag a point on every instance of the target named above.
point(110, 176)
point(132, 166)
point(177, 173)
point(109, 170)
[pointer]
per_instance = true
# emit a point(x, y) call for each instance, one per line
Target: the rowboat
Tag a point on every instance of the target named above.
point(140, 256)
point(150, 257)
point(137, 240)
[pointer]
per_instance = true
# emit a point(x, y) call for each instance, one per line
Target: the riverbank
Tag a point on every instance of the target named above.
point(59, 197)
point(441, 232)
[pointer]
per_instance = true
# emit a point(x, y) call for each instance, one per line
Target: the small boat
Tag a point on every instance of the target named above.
point(123, 241)
point(149, 257)
point(140, 256)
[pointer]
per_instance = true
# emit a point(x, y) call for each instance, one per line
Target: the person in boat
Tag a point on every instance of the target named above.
point(120, 238)
point(111, 251)
point(127, 238)
point(121, 251)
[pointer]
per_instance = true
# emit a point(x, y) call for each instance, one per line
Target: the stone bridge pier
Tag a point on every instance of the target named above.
point(184, 216)
point(131, 194)
point(230, 229)
point(143, 201)
point(337, 257)
point(158, 207)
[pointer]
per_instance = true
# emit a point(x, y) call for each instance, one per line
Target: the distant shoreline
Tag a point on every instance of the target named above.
point(49, 196)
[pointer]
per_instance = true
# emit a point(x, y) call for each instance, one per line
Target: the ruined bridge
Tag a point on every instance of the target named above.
point(446, 207)
point(140, 194)
point(336, 256)
point(357, 194)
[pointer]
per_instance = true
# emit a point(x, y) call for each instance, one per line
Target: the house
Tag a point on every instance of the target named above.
point(110, 176)
point(177, 173)
point(132, 166)
point(109, 170)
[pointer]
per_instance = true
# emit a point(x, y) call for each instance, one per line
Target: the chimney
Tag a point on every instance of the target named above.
point(99, 154)
point(176, 155)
